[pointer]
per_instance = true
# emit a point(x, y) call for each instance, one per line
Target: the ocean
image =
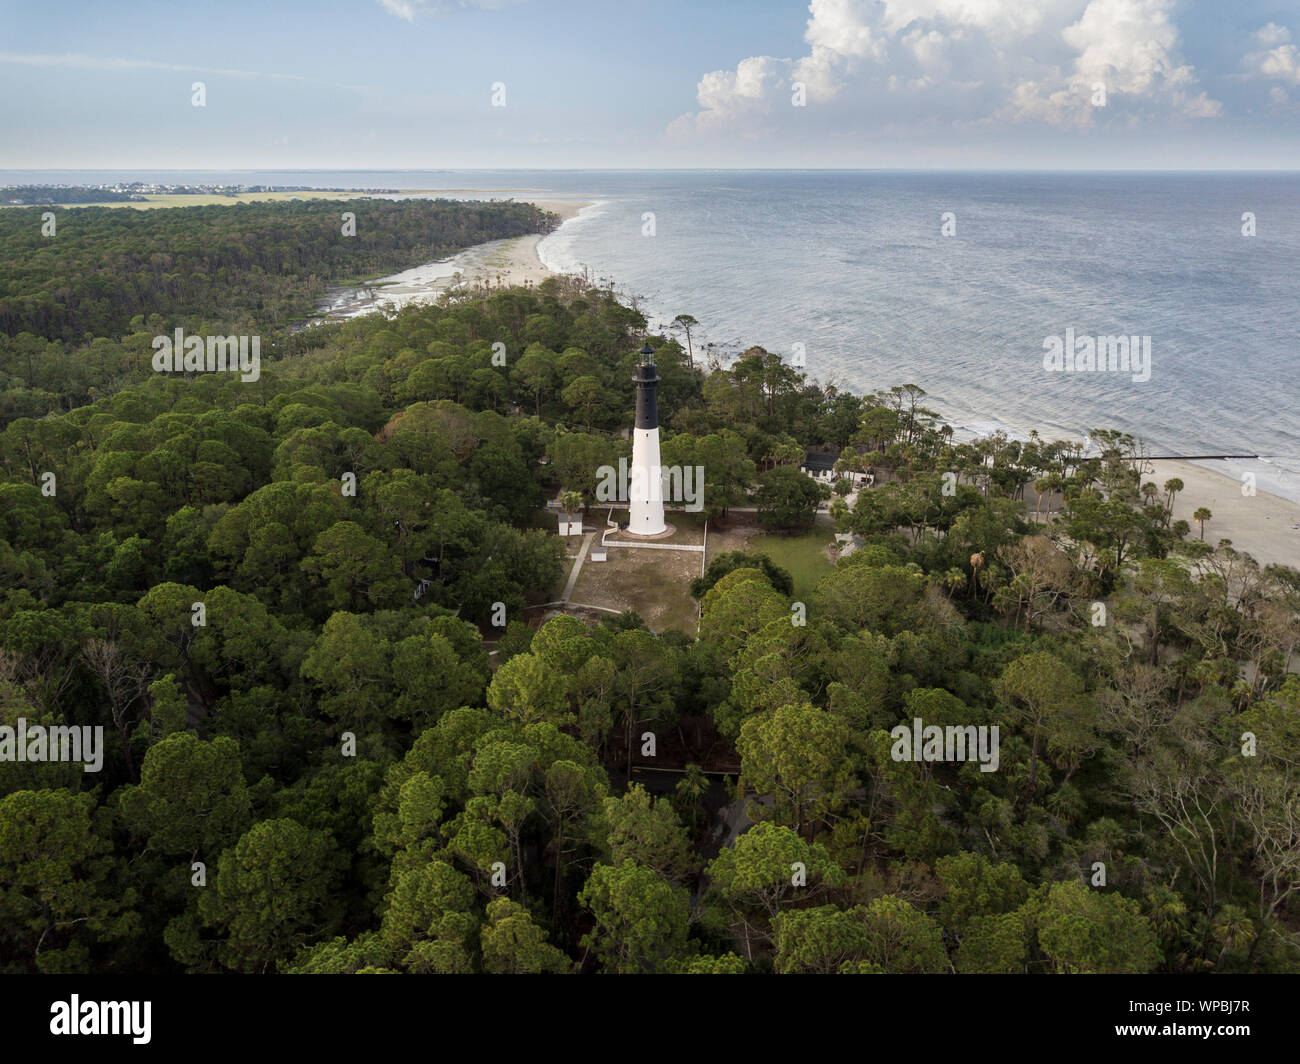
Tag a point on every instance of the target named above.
point(852, 272)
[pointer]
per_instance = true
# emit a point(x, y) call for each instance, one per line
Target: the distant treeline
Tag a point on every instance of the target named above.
point(40, 194)
point(228, 265)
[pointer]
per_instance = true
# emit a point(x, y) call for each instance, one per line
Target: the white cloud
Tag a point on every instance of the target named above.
point(1273, 34)
point(1001, 17)
point(840, 27)
point(401, 8)
point(745, 95)
point(409, 9)
point(1032, 101)
point(839, 38)
point(1281, 62)
point(930, 47)
point(961, 62)
point(1130, 48)
point(1125, 42)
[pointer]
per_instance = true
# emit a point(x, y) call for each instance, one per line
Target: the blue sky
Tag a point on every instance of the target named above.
point(1211, 84)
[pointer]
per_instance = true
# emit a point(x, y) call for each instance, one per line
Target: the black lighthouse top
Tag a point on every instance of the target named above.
point(646, 378)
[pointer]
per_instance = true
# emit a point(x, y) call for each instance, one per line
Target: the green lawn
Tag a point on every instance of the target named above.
point(802, 556)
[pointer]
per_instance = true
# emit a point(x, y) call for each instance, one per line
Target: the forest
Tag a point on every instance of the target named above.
point(29, 195)
point(348, 767)
point(108, 272)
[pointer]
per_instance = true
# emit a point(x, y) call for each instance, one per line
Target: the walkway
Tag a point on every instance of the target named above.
point(587, 537)
point(653, 546)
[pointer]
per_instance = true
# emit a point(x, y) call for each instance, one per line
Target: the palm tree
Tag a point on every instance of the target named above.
point(952, 581)
point(1200, 517)
point(1040, 489)
point(1232, 929)
point(690, 792)
point(1172, 487)
point(573, 502)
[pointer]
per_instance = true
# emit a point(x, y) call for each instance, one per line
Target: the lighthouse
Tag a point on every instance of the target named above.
point(645, 494)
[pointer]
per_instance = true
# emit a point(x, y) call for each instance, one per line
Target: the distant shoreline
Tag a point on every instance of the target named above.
point(1265, 525)
point(155, 200)
point(504, 263)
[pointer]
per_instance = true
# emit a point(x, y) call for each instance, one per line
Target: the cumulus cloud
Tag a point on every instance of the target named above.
point(1011, 18)
point(741, 96)
point(1273, 34)
point(1276, 57)
point(840, 27)
point(872, 64)
point(1129, 47)
point(929, 47)
point(1128, 41)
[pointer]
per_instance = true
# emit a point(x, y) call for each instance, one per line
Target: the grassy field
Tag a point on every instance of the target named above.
point(656, 583)
point(803, 556)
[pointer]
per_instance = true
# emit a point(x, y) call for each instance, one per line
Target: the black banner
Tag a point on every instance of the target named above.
point(80, 1014)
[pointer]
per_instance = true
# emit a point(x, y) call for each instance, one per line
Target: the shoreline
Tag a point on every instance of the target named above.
point(499, 263)
point(1265, 525)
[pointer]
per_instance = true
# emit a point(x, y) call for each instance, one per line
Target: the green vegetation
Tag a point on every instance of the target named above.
point(251, 268)
point(25, 195)
point(327, 775)
point(802, 555)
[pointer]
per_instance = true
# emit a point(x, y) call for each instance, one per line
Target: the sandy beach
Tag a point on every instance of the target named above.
point(1265, 526)
point(516, 262)
point(498, 264)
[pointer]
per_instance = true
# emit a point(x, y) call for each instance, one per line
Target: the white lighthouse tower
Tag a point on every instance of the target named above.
point(645, 492)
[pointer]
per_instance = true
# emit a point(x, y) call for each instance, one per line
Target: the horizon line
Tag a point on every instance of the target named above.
point(661, 169)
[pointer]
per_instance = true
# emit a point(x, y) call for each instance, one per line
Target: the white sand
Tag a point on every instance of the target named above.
point(505, 263)
point(1265, 526)
point(497, 264)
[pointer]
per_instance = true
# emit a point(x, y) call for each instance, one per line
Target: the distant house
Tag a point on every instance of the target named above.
point(570, 523)
point(819, 466)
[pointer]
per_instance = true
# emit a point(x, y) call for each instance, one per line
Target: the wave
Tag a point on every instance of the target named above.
point(556, 249)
